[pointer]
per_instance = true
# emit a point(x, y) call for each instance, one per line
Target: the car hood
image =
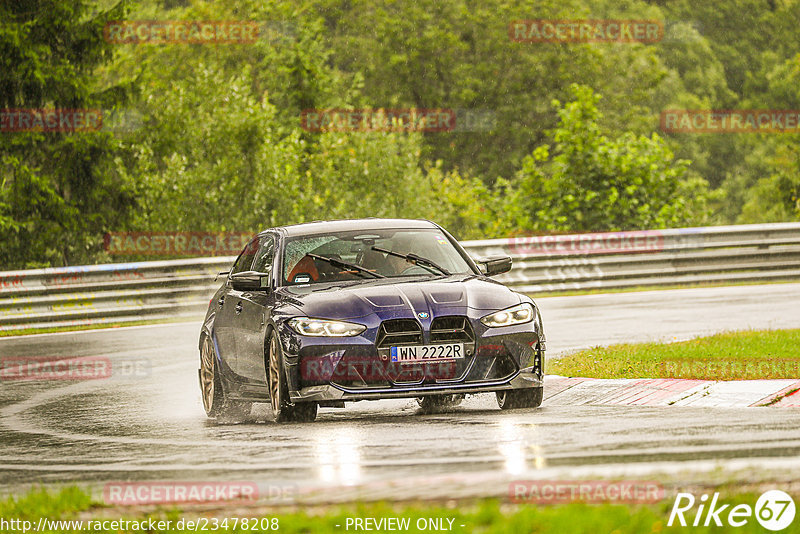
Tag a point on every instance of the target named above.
point(438, 296)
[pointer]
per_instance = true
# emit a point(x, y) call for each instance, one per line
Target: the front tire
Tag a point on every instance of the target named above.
point(216, 404)
point(438, 402)
point(513, 399)
point(282, 409)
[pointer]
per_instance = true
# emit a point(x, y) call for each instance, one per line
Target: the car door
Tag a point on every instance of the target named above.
point(227, 315)
point(250, 322)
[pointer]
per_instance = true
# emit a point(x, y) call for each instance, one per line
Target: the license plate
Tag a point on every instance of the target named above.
point(427, 353)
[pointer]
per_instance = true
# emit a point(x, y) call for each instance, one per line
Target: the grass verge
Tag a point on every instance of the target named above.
point(748, 355)
point(482, 516)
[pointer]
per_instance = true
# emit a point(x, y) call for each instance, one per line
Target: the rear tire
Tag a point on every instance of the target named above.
point(282, 409)
point(513, 399)
point(216, 404)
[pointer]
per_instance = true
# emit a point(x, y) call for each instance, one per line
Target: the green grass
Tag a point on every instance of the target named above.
point(727, 356)
point(483, 516)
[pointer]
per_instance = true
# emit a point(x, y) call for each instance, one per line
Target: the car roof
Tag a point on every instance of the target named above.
point(346, 225)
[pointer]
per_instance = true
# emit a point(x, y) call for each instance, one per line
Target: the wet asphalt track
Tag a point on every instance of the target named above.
point(148, 423)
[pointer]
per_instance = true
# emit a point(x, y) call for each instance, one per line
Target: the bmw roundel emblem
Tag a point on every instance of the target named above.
point(423, 315)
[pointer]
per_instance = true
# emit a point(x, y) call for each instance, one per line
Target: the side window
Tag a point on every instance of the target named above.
point(245, 260)
point(265, 256)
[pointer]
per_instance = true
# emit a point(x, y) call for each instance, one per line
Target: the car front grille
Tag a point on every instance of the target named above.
point(399, 332)
point(451, 329)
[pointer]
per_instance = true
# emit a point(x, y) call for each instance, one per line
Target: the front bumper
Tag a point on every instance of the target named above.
point(525, 378)
point(359, 367)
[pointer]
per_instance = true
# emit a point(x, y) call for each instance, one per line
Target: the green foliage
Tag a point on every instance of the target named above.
point(588, 181)
point(228, 159)
point(458, 55)
point(753, 45)
point(366, 175)
point(775, 198)
point(58, 191)
point(217, 142)
point(462, 204)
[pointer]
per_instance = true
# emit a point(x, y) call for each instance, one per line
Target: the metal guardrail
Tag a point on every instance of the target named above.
point(180, 289)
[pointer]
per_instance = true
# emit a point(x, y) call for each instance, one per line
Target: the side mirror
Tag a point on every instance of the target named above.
point(493, 265)
point(250, 281)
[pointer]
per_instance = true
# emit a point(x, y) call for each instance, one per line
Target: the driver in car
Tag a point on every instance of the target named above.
point(394, 265)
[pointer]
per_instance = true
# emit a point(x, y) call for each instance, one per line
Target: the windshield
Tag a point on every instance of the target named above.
point(305, 259)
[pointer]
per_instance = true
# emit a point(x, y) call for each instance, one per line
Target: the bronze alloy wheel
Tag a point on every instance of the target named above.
point(275, 397)
point(282, 409)
point(216, 404)
point(207, 377)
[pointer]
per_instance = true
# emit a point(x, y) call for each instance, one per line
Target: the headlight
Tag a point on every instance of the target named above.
point(519, 314)
point(323, 328)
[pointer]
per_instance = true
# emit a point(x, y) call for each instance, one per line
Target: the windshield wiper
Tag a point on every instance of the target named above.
point(345, 265)
point(425, 263)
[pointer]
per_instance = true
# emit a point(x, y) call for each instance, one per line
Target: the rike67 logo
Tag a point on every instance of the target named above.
point(774, 510)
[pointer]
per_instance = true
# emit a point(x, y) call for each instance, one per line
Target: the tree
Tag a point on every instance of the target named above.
point(458, 54)
point(59, 191)
point(587, 181)
point(223, 149)
point(771, 193)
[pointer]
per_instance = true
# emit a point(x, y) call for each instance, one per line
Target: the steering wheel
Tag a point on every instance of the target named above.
point(414, 269)
point(328, 271)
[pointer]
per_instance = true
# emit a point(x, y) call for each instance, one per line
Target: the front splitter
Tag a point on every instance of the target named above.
point(522, 380)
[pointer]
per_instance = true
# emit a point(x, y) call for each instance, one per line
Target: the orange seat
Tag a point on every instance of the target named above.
point(305, 266)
